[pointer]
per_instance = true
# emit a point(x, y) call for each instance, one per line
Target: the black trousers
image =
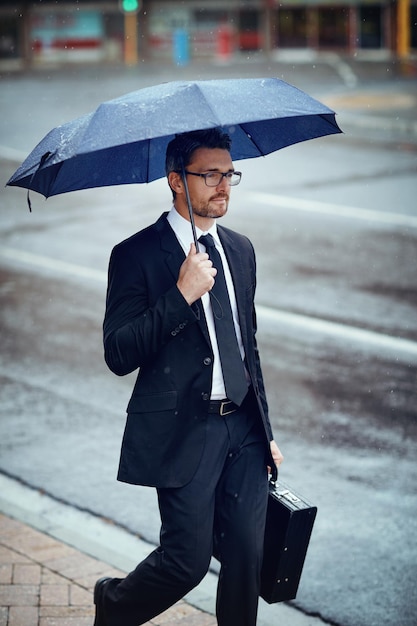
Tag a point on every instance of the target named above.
point(223, 509)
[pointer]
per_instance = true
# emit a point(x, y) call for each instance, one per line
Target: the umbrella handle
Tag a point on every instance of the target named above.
point(190, 208)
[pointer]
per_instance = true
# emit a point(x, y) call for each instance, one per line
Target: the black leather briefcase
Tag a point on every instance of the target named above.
point(288, 529)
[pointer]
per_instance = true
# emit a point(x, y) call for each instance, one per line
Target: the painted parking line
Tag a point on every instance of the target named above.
point(55, 265)
point(351, 334)
point(336, 210)
point(311, 324)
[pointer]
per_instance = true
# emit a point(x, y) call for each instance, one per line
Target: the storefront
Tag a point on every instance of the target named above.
point(338, 26)
point(212, 29)
point(45, 33)
point(50, 32)
point(217, 28)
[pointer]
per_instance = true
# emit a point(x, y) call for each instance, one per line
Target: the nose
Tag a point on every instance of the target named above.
point(223, 184)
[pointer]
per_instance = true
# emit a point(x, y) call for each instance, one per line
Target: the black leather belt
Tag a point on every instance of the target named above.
point(222, 407)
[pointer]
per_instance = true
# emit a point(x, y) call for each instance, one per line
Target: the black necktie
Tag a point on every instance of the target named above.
point(230, 357)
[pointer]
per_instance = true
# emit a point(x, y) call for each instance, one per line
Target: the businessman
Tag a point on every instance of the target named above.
point(197, 424)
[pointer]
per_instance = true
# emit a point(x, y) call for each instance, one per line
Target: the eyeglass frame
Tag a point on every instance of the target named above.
point(223, 175)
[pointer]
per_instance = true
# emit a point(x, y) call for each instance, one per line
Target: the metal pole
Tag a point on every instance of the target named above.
point(403, 26)
point(131, 38)
point(267, 28)
point(190, 208)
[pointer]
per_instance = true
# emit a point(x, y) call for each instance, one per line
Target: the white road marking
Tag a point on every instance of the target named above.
point(344, 70)
point(61, 267)
point(339, 331)
point(393, 344)
point(336, 210)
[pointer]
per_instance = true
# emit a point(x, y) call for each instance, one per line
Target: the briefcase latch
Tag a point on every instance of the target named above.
point(284, 493)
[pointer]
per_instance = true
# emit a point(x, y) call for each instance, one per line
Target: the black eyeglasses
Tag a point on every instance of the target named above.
point(213, 179)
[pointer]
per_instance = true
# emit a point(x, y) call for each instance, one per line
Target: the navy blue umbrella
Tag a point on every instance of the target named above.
point(124, 140)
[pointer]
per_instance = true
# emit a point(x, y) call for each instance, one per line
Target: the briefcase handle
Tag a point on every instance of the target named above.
point(274, 475)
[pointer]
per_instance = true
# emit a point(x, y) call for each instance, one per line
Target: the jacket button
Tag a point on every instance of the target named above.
point(207, 361)
point(205, 396)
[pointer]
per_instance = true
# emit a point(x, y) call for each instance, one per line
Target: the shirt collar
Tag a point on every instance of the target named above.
point(182, 229)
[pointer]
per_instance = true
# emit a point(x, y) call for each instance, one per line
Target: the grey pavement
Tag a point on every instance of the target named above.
point(373, 97)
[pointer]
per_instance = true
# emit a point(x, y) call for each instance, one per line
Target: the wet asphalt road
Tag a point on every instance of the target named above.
point(343, 406)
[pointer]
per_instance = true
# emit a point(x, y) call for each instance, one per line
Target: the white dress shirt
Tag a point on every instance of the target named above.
point(183, 232)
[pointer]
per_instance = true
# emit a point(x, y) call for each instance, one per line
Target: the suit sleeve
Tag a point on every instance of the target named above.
point(136, 329)
point(259, 381)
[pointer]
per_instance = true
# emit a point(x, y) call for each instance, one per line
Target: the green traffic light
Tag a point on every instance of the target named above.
point(130, 5)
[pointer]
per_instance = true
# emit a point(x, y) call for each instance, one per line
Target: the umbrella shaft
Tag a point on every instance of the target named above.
point(190, 208)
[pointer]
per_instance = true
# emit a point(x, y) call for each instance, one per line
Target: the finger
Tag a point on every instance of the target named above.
point(203, 259)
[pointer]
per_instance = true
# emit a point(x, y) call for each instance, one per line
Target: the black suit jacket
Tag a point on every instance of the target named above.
point(148, 325)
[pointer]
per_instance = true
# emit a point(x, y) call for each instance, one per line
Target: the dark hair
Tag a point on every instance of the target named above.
point(180, 149)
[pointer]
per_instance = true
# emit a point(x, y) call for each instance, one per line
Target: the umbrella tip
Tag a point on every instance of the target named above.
point(29, 202)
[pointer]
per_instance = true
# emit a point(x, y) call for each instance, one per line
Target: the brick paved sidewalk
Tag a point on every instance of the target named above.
point(44, 582)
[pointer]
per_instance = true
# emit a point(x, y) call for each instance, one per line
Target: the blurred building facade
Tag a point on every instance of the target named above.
point(40, 32)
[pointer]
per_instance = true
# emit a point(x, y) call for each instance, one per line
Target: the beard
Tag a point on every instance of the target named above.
point(212, 209)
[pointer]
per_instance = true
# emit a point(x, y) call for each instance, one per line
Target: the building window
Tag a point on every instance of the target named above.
point(9, 38)
point(334, 28)
point(249, 33)
point(413, 25)
point(370, 26)
point(292, 28)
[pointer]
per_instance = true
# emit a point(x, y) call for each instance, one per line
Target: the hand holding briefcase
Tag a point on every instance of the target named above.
point(289, 524)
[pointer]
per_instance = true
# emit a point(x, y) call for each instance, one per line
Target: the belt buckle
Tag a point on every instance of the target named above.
point(224, 412)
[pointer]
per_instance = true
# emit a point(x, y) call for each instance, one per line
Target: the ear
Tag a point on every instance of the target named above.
point(175, 182)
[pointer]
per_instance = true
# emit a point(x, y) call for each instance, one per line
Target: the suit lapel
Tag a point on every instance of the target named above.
point(174, 254)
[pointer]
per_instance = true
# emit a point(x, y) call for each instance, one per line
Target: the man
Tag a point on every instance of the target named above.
point(206, 453)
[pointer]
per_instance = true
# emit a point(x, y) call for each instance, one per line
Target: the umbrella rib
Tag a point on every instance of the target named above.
point(249, 136)
point(331, 119)
point(214, 114)
point(41, 162)
point(148, 159)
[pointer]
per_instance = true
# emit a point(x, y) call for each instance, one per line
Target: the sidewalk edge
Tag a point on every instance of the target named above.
point(99, 537)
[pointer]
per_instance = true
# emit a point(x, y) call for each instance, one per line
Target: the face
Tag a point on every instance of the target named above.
point(208, 202)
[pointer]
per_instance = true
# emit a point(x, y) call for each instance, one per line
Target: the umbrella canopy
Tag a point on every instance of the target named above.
point(124, 140)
